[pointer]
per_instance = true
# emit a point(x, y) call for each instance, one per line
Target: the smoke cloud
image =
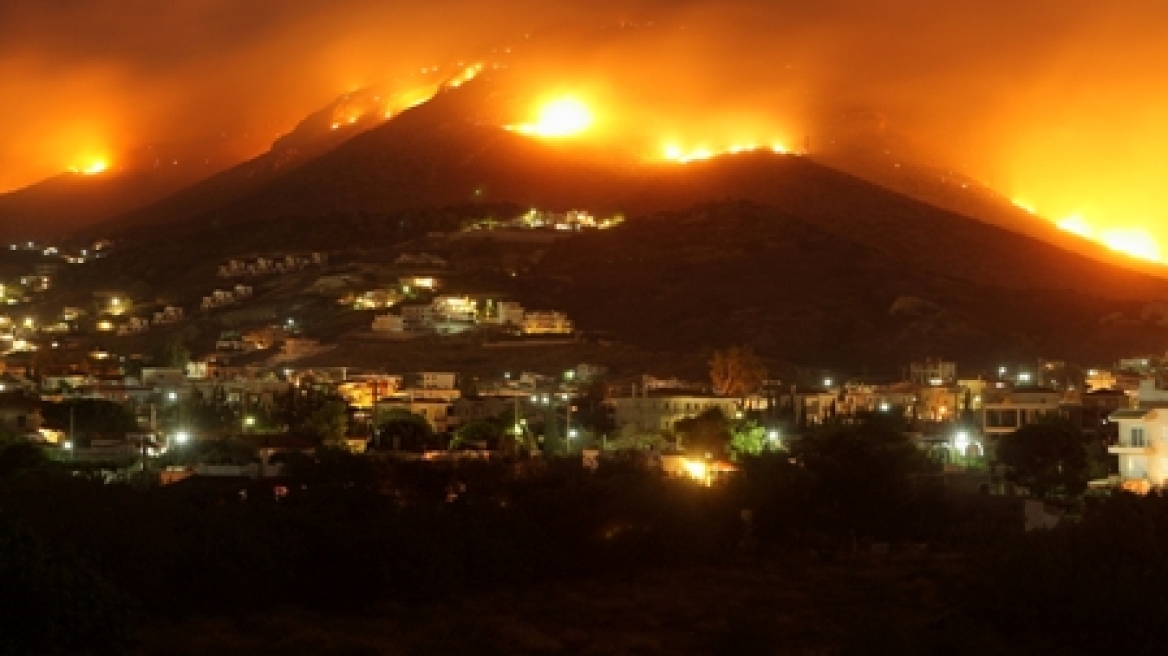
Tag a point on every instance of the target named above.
point(1057, 103)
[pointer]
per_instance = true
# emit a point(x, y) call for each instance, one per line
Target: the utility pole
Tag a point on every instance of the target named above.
point(567, 424)
point(153, 427)
point(72, 438)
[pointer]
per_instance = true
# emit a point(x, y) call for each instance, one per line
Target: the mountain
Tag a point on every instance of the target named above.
point(180, 180)
point(70, 201)
point(452, 151)
point(720, 274)
point(805, 262)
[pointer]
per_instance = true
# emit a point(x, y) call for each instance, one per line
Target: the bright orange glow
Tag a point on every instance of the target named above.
point(676, 153)
point(563, 117)
point(95, 167)
point(1024, 206)
point(469, 73)
point(1133, 242)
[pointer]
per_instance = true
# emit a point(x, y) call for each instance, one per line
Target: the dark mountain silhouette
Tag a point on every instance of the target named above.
point(177, 181)
point(451, 151)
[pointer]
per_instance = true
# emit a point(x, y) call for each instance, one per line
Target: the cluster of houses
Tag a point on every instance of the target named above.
point(1124, 409)
point(572, 220)
point(225, 297)
point(454, 314)
point(270, 265)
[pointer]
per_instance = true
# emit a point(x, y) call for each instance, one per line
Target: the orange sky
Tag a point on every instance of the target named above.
point(1057, 103)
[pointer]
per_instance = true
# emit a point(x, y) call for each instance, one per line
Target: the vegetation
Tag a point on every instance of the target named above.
point(89, 418)
point(402, 430)
point(1047, 458)
point(737, 371)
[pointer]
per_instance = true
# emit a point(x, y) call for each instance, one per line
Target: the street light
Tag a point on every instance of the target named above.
point(182, 437)
point(249, 421)
point(172, 396)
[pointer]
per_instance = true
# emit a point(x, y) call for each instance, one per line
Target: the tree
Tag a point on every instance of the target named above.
point(19, 455)
point(171, 354)
point(1048, 458)
point(861, 480)
point(90, 417)
point(329, 422)
point(489, 432)
point(706, 433)
point(398, 428)
point(736, 371)
point(748, 438)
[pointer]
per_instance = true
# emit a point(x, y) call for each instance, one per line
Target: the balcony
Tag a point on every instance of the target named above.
point(1131, 448)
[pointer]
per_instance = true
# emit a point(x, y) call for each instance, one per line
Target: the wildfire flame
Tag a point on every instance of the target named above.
point(95, 167)
point(1133, 242)
point(563, 117)
point(676, 153)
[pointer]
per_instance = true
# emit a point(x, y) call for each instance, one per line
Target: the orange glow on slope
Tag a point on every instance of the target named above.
point(94, 167)
point(676, 153)
point(563, 117)
point(1133, 242)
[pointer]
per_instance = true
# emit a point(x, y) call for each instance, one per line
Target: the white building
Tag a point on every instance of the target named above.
point(456, 308)
point(1142, 447)
point(639, 415)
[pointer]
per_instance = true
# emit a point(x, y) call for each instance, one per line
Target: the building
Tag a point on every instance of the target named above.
point(933, 371)
point(417, 315)
point(1093, 410)
point(410, 284)
point(547, 323)
point(169, 314)
point(163, 378)
point(438, 380)
point(658, 411)
point(389, 323)
point(509, 313)
point(1004, 412)
point(456, 308)
point(439, 413)
point(1142, 447)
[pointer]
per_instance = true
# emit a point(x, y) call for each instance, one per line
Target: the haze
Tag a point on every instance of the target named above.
point(1057, 104)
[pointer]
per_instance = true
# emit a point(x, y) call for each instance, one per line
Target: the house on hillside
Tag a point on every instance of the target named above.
point(170, 314)
point(133, 326)
point(389, 323)
point(1006, 411)
point(547, 323)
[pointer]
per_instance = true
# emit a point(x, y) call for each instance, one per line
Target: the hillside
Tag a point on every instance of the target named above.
point(450, 151)
point(71, 201)
point(731, 273)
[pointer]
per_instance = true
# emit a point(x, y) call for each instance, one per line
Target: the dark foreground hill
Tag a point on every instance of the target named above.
point(741, 273)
